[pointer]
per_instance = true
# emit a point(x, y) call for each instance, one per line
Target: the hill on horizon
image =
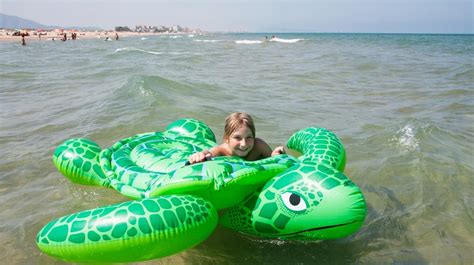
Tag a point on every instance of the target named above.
point(14, 22)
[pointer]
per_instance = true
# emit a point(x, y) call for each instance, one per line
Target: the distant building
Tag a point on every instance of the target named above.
point(163, 29)
point(120, 28)
point(177, 28)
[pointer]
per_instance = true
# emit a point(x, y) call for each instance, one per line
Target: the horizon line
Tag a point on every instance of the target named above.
point(337, 32)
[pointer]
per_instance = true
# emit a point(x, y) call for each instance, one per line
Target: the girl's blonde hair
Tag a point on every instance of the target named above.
point(235, 120)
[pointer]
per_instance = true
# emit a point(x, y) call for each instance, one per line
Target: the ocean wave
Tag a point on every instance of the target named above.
point(136, 50)
point(184, 53)
point(171, 36)
point(156, 53)
point(155, 84)
point(154, 91)
point(153, 52)
point(248, 41)
point(207, 40)
point(463, 72)
point(286, 40)
point(461, 92)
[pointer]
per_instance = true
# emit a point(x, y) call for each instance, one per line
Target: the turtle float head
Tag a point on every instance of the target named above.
point(309, 202)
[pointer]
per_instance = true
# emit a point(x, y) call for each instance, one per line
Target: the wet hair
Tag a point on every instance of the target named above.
point(235, 120)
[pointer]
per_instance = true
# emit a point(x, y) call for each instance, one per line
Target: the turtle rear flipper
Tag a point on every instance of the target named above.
point(130, 231)
point(78, 160)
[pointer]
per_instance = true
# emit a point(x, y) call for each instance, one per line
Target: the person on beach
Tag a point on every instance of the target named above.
point(64, 37)
point(239, 140)
point(116, 36)
point(23, 39)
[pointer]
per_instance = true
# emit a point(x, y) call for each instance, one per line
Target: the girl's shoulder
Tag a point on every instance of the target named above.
point(260, 141)
point(220, 150)
point(262, 148)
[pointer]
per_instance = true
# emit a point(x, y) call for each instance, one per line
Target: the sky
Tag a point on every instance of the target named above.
point(374, 16)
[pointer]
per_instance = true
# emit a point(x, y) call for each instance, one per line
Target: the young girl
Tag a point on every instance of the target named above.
point(239, 140)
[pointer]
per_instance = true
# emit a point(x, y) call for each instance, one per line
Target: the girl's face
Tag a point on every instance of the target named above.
point(241, 141)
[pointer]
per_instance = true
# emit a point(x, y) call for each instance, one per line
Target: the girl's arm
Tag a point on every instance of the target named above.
point(279, 150)
point(263, 150)
point(201, 156)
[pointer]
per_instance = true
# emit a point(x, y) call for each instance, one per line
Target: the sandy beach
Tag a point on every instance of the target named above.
point(57, 35)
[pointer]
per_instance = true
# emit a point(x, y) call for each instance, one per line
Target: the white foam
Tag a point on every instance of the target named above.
point(286, 40)
point(248, 41)
point(135, 49)
point(143, 90)
point(406, 137)
point(153, 52)
point(143, 38)
point(277, 242)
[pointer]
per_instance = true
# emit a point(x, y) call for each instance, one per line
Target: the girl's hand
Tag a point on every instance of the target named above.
point(199, 157)
point(278, 151)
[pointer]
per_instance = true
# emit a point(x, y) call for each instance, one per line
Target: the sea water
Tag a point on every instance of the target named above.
point(402, 104)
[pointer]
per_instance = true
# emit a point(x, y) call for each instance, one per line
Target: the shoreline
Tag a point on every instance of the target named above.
point(7, 35)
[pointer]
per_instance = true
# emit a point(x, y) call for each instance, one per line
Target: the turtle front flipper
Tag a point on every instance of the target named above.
point(78, 160)
point(319, 145)
point(130, 231)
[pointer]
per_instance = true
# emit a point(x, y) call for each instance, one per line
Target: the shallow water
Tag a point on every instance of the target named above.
point(402, 104)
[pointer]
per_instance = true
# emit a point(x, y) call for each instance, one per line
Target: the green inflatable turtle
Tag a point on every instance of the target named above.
point(176, 205)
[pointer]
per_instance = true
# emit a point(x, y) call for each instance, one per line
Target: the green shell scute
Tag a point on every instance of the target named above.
point(191, 128)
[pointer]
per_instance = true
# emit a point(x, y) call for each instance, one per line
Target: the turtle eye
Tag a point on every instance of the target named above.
point(293, 201)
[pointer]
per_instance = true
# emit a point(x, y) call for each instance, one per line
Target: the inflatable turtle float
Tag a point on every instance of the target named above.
point(176, 205)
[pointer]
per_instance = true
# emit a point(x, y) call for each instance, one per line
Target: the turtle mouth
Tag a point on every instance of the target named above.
point(318, 228)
